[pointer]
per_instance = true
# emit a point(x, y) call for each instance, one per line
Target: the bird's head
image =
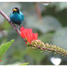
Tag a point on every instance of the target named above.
point(15, 9)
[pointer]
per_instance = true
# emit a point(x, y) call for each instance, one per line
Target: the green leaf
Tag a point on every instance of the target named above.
point(4, 47)
point(46, 38)
point(44, 26)
point(62, 5)
point(25, 63)
point(60, 38)
point(37, 55)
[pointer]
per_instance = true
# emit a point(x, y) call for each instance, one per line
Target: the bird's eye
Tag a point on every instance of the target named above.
point(14, 9)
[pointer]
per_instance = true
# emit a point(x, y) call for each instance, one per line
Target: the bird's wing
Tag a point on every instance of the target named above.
point(10, 14)
point(22, 15)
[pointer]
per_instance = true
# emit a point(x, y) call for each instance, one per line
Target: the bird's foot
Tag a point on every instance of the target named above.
point(18, 27)
point(9, 21)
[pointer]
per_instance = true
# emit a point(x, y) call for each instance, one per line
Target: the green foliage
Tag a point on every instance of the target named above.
point(4, 47)
point(60, 38)
point(61, 6)
point(50, 30)
point(48, 47)
point(25, 63)
point(37, 55)
point(45, 25)
point(46, 38)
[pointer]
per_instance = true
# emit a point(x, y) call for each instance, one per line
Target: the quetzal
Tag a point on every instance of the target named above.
point(16, 16)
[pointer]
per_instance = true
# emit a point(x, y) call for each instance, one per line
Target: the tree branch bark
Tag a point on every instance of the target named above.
point(8, 19)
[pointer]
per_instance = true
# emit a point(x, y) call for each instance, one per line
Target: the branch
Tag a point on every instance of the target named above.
point(37, 44)
point(38, 12)
point(7, 18)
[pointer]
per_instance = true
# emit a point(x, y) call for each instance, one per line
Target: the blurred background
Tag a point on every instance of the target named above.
point(49, 20)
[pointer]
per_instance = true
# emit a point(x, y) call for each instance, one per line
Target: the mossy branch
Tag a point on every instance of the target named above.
point(37, 44)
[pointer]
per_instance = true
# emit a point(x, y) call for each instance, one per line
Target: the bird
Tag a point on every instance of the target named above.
point(16, 16)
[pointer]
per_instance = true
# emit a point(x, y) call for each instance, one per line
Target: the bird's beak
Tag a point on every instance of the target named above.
point(14, 9)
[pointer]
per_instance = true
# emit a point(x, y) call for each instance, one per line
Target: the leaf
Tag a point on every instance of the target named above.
point(49, 23)
point(25, 63)
point(60, 38)
point(4, 47)
point(37, 55)
point(46, 38)
point(62, 5)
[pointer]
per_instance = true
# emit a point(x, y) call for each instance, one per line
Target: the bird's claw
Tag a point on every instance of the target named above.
point(18, 27)
point(9, 21)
